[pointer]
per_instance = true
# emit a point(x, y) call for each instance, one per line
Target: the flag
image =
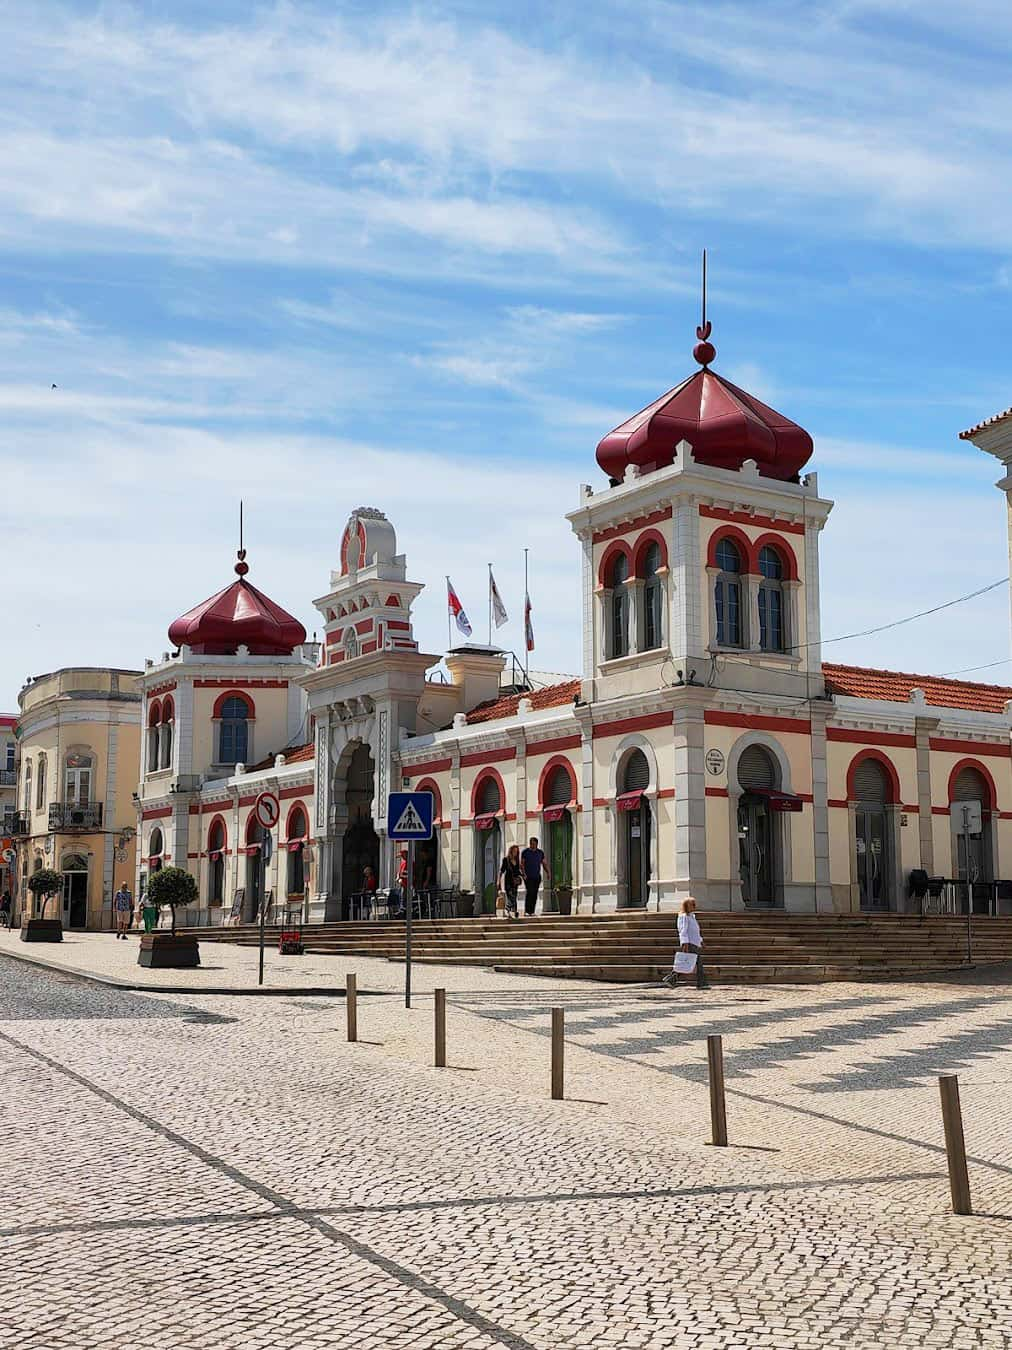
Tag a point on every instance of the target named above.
point(498, 608)
point(457, 609)
point(528, 626)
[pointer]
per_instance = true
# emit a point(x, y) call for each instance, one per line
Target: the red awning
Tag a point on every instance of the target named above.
point(215, 854)
point(555, 812)
point(779, 801)
point(484, 822)
point(154, 858)
point(294, 845)
point(251, 850)
point(629, 801)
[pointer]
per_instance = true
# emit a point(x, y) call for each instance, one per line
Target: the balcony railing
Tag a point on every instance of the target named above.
point(8, 778)
point(21, 823)
point(71, 816)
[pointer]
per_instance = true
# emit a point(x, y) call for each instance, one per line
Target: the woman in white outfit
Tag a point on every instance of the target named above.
point(690, 939)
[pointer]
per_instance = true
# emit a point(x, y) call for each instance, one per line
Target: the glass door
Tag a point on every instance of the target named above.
point(638, 855)
point(756, 851)
point(872, 845)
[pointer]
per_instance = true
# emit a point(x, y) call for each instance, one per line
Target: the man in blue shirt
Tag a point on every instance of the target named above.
point(532, 864)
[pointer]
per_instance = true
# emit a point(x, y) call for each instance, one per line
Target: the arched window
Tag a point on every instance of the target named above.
point(635, 776)
point(489, 798)
point(28, 785)
point(165, 735)
point(233, 731)
point(653, 595)
point(298, 829)
point(772, 628)
point(727, 595)
point(216, 856)
point(559, 787)
point(77, 777)
point(974, 856)
point(154, 719)
point(40, 786)
point(350, 644)
point(618, 607)
point(156, 848)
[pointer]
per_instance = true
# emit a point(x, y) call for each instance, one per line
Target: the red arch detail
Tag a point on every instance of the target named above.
point(787, 556)
point(252, 825)
point(430, 785)
point(887, 764)
point(168, 708)
point(217, 820)
point(646, 538)
point(556, 762)
point(476, 789)
point(608, 557)
point(295, 810)
point(219, 703)
point(958, 768)
point(154, 713)
point(738, 537)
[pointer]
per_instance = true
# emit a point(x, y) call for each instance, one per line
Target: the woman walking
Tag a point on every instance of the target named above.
point(690, 939)
point(510, 876)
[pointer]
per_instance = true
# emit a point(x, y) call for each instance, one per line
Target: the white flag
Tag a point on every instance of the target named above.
point(498, 608)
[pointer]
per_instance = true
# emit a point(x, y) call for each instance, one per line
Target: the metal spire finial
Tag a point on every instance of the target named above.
point(704, 351)
point(242, 566)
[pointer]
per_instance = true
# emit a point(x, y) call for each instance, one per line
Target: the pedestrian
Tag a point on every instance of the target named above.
point(510, 874)
point(369, 885)
point(690, 939)
point(532, 861)
point(123, 906)
point(5, 909)
point(403, 889)
point(149, 913)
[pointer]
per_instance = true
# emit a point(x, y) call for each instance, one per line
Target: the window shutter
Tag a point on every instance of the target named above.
point(756, 769)
point(636, 774)
point(970, 787)
point(559, 788)
point(489, 799)
point(871, 783)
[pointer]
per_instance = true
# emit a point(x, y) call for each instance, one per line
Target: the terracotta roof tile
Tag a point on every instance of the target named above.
point(894, 687)
point(987, 422)
point(295, 755)
point(552, 696)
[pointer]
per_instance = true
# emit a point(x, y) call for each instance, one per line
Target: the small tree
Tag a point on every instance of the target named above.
point(171, 886)
point(44, 883)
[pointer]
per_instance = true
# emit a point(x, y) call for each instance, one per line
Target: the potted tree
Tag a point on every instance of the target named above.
point(43, 884)
point(172, 886)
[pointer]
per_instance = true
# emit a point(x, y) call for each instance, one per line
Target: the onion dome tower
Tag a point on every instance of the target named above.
point(724, 425)
point(238, 616)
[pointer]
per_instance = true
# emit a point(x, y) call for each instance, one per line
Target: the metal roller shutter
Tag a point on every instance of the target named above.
point(970, 787)
point(871, 783)
point(756, 769)
point(559, 788)
point(635, 773)
point(489, 797)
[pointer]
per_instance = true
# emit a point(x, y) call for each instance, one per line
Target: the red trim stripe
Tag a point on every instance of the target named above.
point(624, 725)
point(744, 518)
point(870, 737)
point(796, 725)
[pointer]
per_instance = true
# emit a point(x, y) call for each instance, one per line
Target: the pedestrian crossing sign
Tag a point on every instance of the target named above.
point(409, 815)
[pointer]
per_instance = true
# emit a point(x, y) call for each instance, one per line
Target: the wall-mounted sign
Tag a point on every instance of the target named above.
point(715, 762)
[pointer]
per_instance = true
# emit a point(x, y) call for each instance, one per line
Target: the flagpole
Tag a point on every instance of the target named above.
point(490, 604)
point(449, 627)
point(527, 655)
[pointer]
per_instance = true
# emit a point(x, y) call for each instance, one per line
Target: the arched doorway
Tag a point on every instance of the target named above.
point(361, 842)
point(635, 831)
point(254, 869)
point(758, 828)
point(216, 864)
point(872, 792)
point(74, 867)
point(488, 846)
point(973, 853)
point(559, 793)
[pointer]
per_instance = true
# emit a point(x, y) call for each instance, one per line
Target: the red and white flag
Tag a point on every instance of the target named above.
point(457, 609)
point(528, 625)
point(495, 600)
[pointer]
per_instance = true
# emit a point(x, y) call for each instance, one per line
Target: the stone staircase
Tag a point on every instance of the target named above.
point(636, 947)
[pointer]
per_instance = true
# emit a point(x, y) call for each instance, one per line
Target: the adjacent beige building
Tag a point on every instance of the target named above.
point(77, 769)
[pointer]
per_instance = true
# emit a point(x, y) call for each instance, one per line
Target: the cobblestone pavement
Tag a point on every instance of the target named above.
point(195, 1171)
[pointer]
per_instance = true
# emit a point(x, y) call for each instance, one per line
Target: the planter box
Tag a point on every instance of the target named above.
point(169, 951)
point(42, 930)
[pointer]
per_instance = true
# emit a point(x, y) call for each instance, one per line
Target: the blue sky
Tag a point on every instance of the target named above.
point(424, 257)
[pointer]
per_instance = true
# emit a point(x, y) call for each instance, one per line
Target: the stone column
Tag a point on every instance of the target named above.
point(690, 800)
point(587, 879)
point(924, 727)
point(820, 810)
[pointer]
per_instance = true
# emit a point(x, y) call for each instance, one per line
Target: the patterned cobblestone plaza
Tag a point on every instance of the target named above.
point(198, 1171)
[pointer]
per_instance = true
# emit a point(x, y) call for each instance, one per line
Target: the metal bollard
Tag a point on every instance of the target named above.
point(558, 1053)
point(955, 1145)
point(440, 1028)
point(351, 1001)
point(718, 1106)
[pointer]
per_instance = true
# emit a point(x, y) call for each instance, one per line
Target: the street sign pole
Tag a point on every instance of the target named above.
point(409, 906)
point(265, 857)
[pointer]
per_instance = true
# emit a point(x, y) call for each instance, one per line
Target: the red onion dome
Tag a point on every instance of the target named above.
point(724, 425)
point(238, 616)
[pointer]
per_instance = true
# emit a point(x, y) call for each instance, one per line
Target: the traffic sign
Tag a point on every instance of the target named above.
point(267, 810)
point(409, 815)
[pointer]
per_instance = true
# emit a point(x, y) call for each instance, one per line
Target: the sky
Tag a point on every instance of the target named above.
point(319, 256)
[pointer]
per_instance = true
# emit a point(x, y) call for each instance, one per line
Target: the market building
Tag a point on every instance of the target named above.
point(704, 747)
point(78, 755)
